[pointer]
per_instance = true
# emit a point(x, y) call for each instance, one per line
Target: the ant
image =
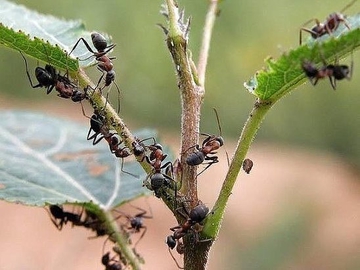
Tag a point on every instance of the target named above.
point(97, 125)
point(334, 72)
point(209, 145)
point(157, 178)
point(196, 216)
point(105, 64)
point(110, 264)
point(57, 212)
point(136, 222)
point(49, 78)
point(329, 26)
point(139, 147)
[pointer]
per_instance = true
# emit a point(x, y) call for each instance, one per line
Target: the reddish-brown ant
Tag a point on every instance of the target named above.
point(101, 131)
point(49, 78)
point(105, 64)
point(334, 72)
point(196, 215)
point(329, 26)
point(158, 179)
point(208, 147)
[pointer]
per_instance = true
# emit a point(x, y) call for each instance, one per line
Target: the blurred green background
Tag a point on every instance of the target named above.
point(245, 33)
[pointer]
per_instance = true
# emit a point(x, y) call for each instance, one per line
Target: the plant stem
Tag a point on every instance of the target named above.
point(122, 242)
point(205, 45)
point(191, 97)
point(213, 222)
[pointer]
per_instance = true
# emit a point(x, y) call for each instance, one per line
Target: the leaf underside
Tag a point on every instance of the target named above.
point(47, 160)
point(284, 74)
point(44, 37)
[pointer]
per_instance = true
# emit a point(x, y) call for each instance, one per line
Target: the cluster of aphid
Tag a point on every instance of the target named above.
point(334, 72)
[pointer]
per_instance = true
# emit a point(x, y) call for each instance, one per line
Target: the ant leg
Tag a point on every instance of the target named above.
point(351, 67)
point(213, 160)
point(118, 97)
point(308, 30)
point(141, 236)
point(28, 74)
point(332, 82)
point(53, 220)
point(96, 140)
point(129, 173)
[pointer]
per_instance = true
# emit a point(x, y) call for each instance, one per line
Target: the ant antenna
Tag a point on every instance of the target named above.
point(220, 130)
point(348, 5)
point(176, 262)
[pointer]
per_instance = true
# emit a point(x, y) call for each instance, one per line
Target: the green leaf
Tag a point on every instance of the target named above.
point(44, 37)
point(47, 160)
point(284, 74)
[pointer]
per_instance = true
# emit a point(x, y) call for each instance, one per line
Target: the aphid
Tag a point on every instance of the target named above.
point(329, 26)
point(247, 165)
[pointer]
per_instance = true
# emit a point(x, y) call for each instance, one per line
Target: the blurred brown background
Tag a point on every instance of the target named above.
point(299, 207)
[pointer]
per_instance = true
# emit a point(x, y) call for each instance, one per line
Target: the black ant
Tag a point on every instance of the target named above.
point(208, 147)
point(136, 222)
point(49, 78)
point(57, 213)
point(110, 264)
point(329, 26)
point(105, 64)
point(334, 72)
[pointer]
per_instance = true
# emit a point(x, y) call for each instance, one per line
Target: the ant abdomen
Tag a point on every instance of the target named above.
point(195, 158)
point(198, 213)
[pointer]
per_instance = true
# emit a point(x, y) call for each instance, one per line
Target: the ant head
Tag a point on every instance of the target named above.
point(105, 259)
point(220, 140)
point(170, 241)
point(341, 72)
point(56, 210)
point(99, 41)
point(158, 146)
point(96, 122)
